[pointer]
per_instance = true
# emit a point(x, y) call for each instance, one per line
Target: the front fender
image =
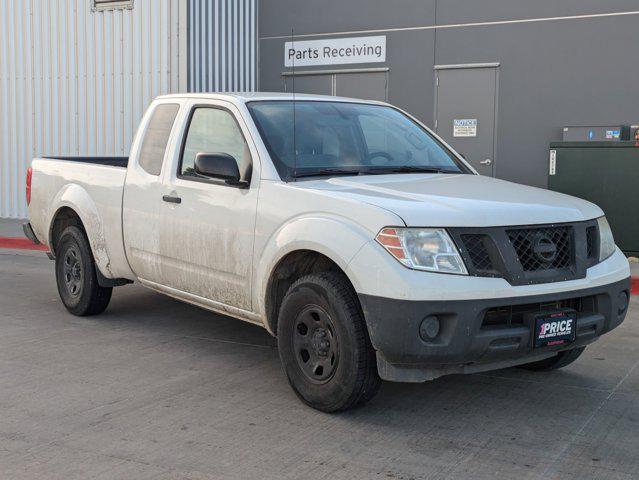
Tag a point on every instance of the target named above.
point(78, 199)
point(333, 237)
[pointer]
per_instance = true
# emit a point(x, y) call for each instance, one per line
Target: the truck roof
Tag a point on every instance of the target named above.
point(254, 96)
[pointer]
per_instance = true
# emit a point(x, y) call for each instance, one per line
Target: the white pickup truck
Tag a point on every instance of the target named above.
point(346, 228)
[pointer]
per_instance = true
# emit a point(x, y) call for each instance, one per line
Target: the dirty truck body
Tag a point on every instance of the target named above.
point(346, 228)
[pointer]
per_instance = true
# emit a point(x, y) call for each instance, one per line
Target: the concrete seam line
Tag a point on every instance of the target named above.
point(218, 340)
point(455, 25)
point(571, 442)
point(537, 382)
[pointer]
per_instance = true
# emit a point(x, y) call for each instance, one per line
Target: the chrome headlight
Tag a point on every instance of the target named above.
point(429, 249)
point(606, 241)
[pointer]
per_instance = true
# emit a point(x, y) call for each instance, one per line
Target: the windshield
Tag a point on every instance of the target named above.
point(333, 138)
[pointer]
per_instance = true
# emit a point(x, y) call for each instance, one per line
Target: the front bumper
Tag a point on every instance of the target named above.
point(466, 343)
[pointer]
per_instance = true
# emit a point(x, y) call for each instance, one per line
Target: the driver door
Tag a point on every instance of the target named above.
point(207, 230)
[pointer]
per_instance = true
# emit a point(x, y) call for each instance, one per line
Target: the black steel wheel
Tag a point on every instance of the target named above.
point(324, 345)
point(76, 275)
point(315, 344)
point(73, 271)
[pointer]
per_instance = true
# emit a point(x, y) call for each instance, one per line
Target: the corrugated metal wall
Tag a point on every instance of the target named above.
point(74, 81)
point(222, 45)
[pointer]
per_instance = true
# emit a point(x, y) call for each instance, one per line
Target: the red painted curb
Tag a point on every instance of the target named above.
point(21, 244)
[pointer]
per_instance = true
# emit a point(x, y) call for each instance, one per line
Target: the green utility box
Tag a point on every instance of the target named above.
point(605, 173)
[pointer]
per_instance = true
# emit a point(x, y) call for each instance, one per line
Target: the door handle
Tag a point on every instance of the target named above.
point(488, 161)
point(170, 199)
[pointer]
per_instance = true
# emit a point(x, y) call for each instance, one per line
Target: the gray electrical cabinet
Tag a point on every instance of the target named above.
point(605, 173)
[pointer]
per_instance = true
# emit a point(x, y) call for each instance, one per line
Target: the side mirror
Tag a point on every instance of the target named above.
point(219, 165)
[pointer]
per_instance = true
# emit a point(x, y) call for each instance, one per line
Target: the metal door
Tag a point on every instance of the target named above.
point(465, 113)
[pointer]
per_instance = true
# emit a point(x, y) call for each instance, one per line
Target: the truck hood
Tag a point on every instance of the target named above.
point(444, 200)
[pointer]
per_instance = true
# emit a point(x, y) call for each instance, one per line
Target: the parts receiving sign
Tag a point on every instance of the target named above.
point(335, 51)
point(465, 127)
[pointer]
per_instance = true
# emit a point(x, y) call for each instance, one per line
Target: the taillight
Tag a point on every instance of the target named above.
point(29, 175)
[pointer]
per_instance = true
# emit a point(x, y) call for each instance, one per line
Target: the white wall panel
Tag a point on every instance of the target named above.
point(76, 82)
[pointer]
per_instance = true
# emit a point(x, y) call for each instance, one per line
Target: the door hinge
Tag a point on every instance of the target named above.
point(435, 124)
point(437, 81)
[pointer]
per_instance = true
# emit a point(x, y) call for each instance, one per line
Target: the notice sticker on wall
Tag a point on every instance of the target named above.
point(465, 127)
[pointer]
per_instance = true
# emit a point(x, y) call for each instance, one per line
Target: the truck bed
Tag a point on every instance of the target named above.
point(92, 187)
point(106, 161)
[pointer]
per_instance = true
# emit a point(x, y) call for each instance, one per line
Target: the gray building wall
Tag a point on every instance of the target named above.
point(562, 62)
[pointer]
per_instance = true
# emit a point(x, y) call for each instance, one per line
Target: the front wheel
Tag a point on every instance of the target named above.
point(324, 345)
point(76, 277)
point(560, 360)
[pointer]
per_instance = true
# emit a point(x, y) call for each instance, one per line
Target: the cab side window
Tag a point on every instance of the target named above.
point(212, 130)
point(156, 137)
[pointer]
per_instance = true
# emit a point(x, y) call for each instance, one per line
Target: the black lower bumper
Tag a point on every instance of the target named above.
point(480, 334)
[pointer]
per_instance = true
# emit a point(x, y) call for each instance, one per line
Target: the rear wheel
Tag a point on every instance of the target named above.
point(324, 345)
point(560, 360)
point(76, 275)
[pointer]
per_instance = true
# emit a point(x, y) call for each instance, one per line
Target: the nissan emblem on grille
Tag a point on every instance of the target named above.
point(544, 248)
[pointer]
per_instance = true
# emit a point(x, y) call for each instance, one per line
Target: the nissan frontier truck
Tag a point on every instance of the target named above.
point(346, 228)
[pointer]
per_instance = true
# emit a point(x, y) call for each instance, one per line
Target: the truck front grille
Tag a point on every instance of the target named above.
point(592, 242)
point(529, 254)
point(543, 248)
point(476, 246)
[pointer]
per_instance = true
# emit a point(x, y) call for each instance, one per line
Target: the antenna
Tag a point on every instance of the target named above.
point(294, 114)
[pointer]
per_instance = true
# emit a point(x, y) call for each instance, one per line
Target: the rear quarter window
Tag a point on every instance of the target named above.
point(156, 137)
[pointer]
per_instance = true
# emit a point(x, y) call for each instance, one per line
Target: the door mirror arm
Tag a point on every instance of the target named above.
point(243, 184)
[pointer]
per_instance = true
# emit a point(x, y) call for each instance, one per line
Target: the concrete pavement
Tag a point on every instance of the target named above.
point(156, 389)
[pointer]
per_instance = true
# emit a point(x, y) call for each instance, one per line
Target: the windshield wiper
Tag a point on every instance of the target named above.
point(372, 171)
point(410, 169)
point(328, 171)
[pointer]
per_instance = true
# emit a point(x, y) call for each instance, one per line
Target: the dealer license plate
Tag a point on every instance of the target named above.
point(555, 328)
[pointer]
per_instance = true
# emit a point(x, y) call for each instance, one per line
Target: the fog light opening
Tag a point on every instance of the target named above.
point(622, 302)
point(429, 328)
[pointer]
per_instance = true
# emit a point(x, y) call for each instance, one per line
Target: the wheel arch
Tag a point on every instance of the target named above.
point(63, 217)
point(74, 206)
point(307, 244)
point(288, 270)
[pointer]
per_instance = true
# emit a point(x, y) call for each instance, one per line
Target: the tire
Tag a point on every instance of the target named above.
point(321, 325)
point(553, 363)
point(75, 273)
